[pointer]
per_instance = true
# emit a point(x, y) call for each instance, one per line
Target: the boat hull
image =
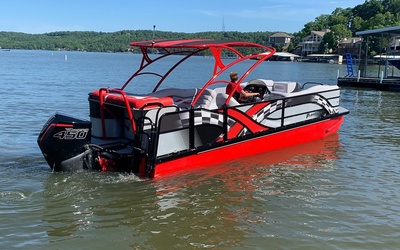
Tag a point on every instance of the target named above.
point(257, 145)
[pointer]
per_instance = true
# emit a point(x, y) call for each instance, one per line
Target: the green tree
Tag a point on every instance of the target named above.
point(341, 16)
point(290, 47)
point(357, 24)
point(278, 48)
point(329, 42)
point(340, 32)
point(369, 9)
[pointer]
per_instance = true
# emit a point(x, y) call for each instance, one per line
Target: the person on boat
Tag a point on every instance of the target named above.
point(240, 95)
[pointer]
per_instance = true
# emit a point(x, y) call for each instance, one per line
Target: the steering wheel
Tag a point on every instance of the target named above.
point(255, 86)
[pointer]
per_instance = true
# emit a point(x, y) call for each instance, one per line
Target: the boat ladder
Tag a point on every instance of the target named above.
point(349, 63)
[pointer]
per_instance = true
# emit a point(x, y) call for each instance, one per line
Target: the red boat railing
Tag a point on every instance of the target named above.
point(102, 96)
point(222, 68)
point(192, 47)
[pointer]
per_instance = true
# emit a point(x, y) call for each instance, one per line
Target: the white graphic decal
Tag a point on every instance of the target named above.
point(72, 134)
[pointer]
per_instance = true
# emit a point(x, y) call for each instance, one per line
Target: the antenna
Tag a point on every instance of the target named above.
point(154, 31)
point(223, 24)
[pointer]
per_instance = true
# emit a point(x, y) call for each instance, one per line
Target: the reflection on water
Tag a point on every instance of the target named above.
point(218, 206)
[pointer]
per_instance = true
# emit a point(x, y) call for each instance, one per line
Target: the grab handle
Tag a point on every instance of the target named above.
point(102, 95)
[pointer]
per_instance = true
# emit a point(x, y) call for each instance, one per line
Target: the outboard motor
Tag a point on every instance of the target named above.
point(65, 143)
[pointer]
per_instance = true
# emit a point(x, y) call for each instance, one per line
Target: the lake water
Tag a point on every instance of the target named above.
point(339, 193)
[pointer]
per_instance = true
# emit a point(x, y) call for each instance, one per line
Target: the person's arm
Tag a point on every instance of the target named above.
point(247, 94)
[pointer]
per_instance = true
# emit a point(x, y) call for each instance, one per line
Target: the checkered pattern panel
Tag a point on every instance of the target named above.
point(201, 116)
point(324, 103)
point(207, 117)
point(268, 109)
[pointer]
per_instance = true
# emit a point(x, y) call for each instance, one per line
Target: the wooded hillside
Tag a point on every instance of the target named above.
point(110, 42)
point(343, 23)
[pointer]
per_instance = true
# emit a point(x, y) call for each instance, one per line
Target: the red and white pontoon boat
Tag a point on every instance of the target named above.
point(172, 129)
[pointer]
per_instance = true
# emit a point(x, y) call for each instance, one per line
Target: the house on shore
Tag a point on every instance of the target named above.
point(281, 39)
point(350, 45)
point(309, 48)
point(310, 44)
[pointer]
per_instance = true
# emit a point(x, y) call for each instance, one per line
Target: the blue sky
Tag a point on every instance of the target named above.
point(41, 16)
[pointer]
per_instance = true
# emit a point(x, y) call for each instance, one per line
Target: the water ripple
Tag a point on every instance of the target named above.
point(336, 193)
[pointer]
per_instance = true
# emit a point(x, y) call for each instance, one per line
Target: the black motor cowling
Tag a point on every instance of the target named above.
point(64, 142)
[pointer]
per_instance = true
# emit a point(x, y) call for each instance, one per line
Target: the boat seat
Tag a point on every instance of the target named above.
point(220, 90)
point(221, 98)
point(135, 101)
point(184, 97)
point(311, 90)
point(184, 93)
point(207, 99)
point(285, 88)
point(268, 83)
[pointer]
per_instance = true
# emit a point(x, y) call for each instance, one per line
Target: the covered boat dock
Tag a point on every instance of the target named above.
point(383, 79)
point(284, 56)
point(327, 58)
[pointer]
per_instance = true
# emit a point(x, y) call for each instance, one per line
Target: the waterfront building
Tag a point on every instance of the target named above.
point(281, 39)
point(350, 45)
point(310, 44)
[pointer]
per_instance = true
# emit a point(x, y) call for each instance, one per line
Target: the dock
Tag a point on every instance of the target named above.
point(373, 83)
point(383, 82)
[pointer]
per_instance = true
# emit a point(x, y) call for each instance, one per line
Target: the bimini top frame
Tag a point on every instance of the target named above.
point(195, 46)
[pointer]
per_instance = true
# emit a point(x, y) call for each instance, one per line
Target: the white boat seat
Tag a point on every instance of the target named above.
point(207, 99)
point(311, 90)
point(221, 98)
point(286, 87)
point(184, 97)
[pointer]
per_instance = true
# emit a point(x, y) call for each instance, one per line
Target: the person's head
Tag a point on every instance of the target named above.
point(234, 76)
